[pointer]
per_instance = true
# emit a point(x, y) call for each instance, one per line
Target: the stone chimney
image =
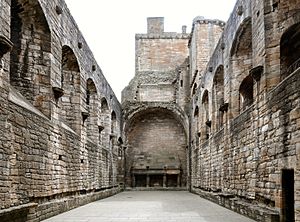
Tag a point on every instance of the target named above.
point(155, 25)
point(184, 29)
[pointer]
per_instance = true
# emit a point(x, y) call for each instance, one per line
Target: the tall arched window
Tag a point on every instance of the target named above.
point(218, 97)
point(196, 125)
point(92, 106)
point(113, 122)
point(91, 92)
point(70, 83)
point(241, 61)
point(290, 51)
point(105, 123)
point(205, 120)
point(31, 54)
point(194, 89)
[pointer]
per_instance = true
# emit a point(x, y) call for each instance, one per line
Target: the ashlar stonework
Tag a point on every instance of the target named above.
point(215, 111)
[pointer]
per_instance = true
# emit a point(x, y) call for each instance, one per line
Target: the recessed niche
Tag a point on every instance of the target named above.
point(85, 115)
point(240, 10)
point(58, 10)
point(58, 92)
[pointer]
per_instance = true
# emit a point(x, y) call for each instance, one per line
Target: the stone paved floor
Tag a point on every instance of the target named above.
point(151, 206)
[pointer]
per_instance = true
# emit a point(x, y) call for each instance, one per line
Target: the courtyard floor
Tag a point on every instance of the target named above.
point(151, 206)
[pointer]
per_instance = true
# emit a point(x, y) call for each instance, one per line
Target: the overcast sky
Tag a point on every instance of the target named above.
point(109, 28)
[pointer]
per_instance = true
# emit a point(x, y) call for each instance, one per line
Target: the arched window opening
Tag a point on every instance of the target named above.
point(246, 93)
point(92, 107)
point(290, 51)
point(70, 83)
point(91, 91)
point(30, 56)
point(218, 97)
point(196, 125)
point(196, 112)
point(241, 61)
point(106, 123)
point(194, 89)
point(113, 122)
point(206, 121)
point(104, 105)
point(205, 105)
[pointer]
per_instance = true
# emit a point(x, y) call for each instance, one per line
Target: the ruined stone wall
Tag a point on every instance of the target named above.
point(247, 126)
point(155, 127)
point(204, 38)
point(158, 54)
point(59, 142)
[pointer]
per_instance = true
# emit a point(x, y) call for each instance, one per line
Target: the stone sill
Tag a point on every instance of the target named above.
point(15, 97)
point(17, 208)
point(296, 72)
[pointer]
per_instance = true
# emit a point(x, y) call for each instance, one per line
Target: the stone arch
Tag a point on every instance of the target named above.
point(290, 51)
point(91, 92)
point(241, 61)
point(194, 89)
point(104, 105)
point(282, 37)
point(205, 120)
point(30, 65)
point(246, 93)
point(218, 98)
point(195, 125)
point(92, 107)
point(156, 142)
point(178, 114)
point(70, 83)
point(105, 123)
point(113, 122)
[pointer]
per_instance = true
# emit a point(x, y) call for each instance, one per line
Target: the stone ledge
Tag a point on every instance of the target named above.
point(251, 210)
point(16, 98)
point(32, 212)
point(17, 208)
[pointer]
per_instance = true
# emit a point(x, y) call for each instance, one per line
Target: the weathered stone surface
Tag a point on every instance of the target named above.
point(239, 89)
point(51, 160)
point(215, 111)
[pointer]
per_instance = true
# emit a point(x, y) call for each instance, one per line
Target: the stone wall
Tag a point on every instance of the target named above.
point(59, 140)
point(156, 126)
point(245, 116)
point(156, 140)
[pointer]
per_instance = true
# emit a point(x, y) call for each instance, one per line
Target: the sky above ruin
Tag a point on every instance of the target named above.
point(109, 28)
